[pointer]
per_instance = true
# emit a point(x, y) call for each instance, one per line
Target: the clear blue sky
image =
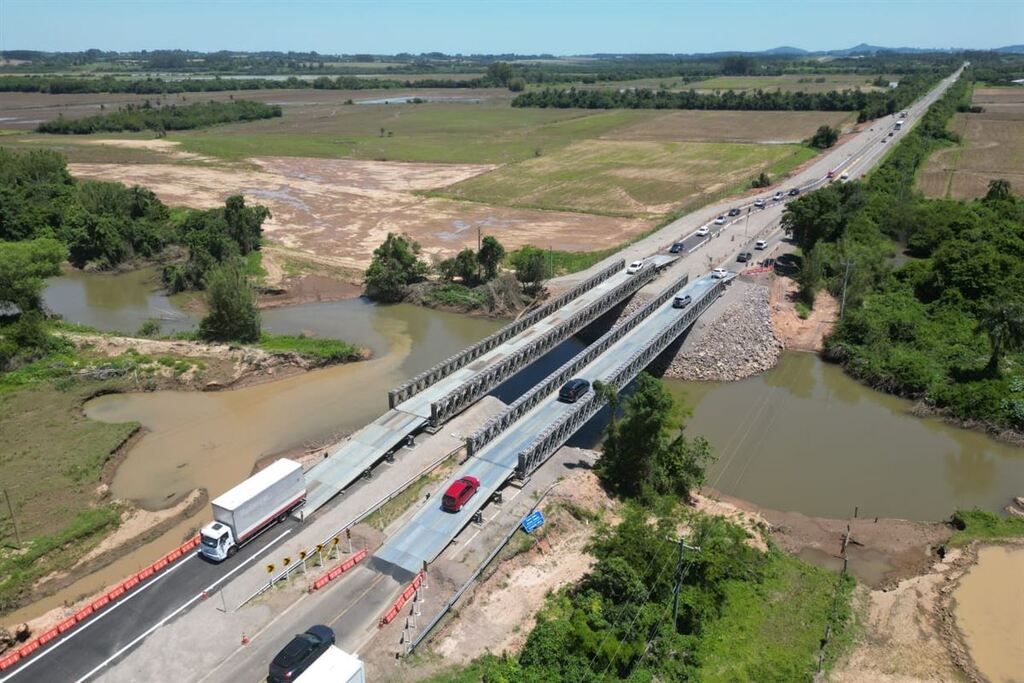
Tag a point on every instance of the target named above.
point(523, 26)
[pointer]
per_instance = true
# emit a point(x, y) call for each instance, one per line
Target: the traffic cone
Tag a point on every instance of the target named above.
point(245, 639)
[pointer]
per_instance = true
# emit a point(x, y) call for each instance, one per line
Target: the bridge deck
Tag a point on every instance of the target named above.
point(346, 461)
point(432, 529)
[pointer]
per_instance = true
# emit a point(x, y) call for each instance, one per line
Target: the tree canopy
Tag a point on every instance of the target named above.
point(233, 315)
point(396, 265)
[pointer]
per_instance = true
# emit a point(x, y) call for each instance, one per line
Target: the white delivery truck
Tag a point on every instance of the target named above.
point(334, 666)
point(249, 508)
point(899, 124)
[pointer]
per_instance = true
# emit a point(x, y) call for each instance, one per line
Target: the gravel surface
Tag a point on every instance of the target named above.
point(738, 344)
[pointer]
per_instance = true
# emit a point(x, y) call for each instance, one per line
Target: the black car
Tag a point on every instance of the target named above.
point(744, 256)
point(573, 389)
point(734, 212)
point(676, 248)
point(302, 651)
point(794, 192)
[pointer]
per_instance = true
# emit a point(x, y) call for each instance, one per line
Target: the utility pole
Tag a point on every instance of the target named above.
point(683, 547)
point(846, 278)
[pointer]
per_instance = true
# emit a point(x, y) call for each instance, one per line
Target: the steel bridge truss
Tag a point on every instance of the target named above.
point(499, 423)
point(465, 395)
point(556, 434)
point(469, 354)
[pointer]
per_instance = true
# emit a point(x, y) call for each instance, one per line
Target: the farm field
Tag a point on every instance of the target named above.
point(789, 82)
point(992, 147)
point(629, 178)
point(339, 210)
point(730, 126)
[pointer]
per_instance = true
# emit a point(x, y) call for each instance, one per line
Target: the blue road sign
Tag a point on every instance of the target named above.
point(532, 521)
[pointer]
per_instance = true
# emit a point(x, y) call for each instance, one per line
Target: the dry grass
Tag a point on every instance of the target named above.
point(730, 126)
point(992, 147)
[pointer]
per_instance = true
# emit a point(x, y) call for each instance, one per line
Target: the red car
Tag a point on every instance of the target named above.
point(458, 493)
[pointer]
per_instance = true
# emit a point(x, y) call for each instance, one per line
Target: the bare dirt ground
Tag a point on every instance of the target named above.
point(910, 633)
point(795, 333)
point(340, 210)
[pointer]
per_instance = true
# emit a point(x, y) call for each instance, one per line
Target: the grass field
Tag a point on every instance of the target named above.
point(787, 83)
point(628, 178)
point(442, 132)
point(730, 126)
point(992, 147)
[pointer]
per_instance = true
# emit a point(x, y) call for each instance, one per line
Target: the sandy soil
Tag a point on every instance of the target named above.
point(795, 333)
point(212, 366)
point(342, 209)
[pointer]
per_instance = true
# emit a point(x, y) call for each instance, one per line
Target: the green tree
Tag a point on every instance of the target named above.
point(465, 266)
point(396, 264)
point(500, 73)
point(245, 223)
point(645, 454)
point(824, 137)
point(517, 85)
point(491, 254)
point(1003, 323)
point(231, 301)
point(24, 267)
point(531, 267)
point(998, 189)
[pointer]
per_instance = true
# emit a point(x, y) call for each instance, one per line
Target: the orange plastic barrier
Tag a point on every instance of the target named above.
point(409, 591)
point(113, 594)
point(338, 570)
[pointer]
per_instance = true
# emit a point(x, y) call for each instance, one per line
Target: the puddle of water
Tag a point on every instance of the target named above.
point(989, 603)
point(868, 566)
point(806, 437)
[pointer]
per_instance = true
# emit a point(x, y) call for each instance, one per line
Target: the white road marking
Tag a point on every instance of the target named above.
point(181, 609)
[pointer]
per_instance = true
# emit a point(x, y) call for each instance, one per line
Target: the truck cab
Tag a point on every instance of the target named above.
point(216, 542)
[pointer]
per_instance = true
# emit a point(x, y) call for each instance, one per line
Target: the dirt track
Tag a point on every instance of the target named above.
point(342, 209)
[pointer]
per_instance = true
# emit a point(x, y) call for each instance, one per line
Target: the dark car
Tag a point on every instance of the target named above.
point(302, 651)
point(734, 212)
point(794, 192)
point(573, 389)
point(676, 248)
point(682, 301)
point(458, 493)
point(744, 256)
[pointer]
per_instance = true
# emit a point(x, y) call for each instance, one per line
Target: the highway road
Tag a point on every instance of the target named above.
point(100, 642)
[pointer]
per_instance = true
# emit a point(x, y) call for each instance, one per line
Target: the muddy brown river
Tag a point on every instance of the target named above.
point(989, 603)
point(801, 437)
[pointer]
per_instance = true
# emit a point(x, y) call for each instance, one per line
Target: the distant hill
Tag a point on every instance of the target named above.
point(1011, 49)
point(785, 50)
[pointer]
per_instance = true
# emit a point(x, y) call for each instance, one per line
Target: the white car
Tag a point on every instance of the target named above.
point(720, 220)
point(760, 244)
point(719, 273)
point(702, 231)
point(635, 267)
point(844, 176)
point(759, 203)
point(778, 196)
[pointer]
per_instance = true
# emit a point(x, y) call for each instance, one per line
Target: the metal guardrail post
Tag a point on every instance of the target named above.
point(449, 365)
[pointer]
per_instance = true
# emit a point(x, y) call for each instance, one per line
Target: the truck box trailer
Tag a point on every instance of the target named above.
point(252, 506)
point(334, 666)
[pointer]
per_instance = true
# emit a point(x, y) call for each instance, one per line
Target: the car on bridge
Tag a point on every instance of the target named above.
point(719, 273)
point(744, 256)
point(459, 493)
point(703, 230)
point(572, 390)
point(300, 653)
point(676, 247)
point(635, 267)
point(682, 301)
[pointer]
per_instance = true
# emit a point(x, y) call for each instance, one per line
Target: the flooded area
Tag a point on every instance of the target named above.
point(988, 605)
point(867, 565)
point(807, 438)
